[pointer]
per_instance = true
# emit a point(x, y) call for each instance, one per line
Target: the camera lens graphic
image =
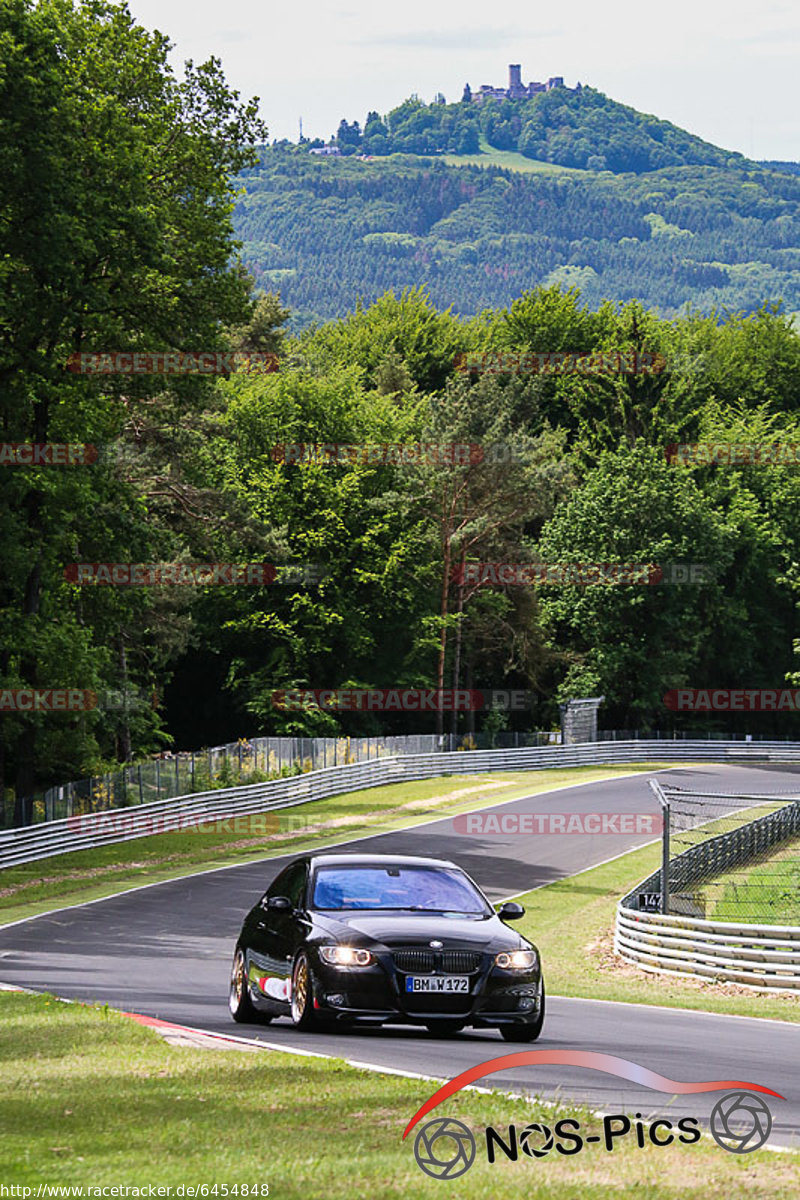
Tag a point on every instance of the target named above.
point(532, 1133)
point(444, 1148)
point(740, 1122)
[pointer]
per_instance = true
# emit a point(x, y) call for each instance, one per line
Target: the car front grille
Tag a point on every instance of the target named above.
point(420, 962)
point(446, 962)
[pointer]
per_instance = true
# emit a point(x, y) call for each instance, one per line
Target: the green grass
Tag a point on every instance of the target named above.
point(50, 883)
point(768, 893)
point(491, 157)
point(90, 1098)
point(572, 923)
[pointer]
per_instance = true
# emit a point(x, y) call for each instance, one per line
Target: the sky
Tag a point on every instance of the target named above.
point(726, 70)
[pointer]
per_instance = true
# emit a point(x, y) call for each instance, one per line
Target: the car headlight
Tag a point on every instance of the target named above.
point(516, 960)
point(345, 956)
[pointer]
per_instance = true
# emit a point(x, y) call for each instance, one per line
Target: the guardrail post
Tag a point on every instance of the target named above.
point(665, 811)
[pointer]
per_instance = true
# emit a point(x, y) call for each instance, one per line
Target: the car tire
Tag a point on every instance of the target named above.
point(302, 1001)
point(239, 1001)
point(528, 1032)
point(444, 1028)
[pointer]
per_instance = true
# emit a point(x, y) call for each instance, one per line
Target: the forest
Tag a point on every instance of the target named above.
point(121, 219)
point(328, 233)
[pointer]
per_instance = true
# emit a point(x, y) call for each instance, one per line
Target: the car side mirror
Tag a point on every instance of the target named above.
point(281, 903)
point(510, 911)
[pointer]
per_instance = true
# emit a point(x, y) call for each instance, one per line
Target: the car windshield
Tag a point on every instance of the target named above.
point(418, 889)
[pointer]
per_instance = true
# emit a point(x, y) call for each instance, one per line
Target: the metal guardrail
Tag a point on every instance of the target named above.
point(766, 957)
point(759, 956)
point(34, 842)
point(169, 775)
point(234, 764)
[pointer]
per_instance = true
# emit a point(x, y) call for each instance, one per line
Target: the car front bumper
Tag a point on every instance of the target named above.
point(377, 994)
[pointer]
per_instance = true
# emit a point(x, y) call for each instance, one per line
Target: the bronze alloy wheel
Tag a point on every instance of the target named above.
point(302, 994)
point(239, 998)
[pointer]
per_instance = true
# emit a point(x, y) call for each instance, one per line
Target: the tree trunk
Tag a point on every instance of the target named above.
point(125, 727)
point(457, 653)
point(443, 636)
point(24, 783)
point(471, 711)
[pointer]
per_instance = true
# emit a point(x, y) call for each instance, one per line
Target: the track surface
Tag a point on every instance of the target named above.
point(165, 951)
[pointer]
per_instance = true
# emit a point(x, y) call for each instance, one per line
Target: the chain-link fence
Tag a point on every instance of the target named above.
point(253, 760)
point(684, 735)
point(727, 857)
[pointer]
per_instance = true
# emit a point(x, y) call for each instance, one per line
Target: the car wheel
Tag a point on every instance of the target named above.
point(528, 1032)
point(444, 1028)
point(303, 1014)
point(239, 1001)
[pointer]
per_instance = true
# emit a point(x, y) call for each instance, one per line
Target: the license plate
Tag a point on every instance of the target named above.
point(437, 983)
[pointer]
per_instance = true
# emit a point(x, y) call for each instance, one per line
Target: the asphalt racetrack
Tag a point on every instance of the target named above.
point(165, 951)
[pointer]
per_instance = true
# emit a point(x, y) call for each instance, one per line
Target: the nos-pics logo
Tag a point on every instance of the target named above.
point(446, 1148)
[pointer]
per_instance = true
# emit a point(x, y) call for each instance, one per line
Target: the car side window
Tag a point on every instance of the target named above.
point(296, 884)
point(290, 883)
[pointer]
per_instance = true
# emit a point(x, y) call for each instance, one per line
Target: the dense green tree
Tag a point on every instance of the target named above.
point(632, 642)
point(116, 197)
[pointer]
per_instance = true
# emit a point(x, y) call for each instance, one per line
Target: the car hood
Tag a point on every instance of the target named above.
point(418, 929)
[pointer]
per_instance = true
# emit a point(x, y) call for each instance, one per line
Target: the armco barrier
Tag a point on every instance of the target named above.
point(30, 843)
point(757, 956)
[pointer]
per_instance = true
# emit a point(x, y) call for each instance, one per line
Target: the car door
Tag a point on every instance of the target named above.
point(279, 933)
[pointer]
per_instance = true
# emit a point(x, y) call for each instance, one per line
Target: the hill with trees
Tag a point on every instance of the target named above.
point(569, 127)
point(328, 232)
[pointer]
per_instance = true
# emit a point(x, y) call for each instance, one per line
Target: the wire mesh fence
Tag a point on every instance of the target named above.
point(685, 735)
point(254, 760)
point(728, 857)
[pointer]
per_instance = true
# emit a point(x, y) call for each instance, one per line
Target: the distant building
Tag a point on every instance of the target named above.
point(327, 150)
point(516, 90)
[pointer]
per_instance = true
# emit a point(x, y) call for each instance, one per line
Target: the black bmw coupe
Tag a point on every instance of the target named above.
point(344, 938)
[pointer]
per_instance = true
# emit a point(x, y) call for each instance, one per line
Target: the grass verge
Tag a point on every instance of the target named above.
point(92, 1099)
point(766, 893)
point(572, 923)
point(34, 888)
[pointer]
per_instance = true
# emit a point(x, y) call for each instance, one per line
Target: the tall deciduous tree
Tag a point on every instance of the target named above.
point(115, 206)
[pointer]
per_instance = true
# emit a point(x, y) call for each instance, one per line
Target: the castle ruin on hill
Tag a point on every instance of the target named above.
point(517, 90)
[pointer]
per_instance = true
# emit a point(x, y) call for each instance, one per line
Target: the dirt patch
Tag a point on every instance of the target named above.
point(601, 953)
